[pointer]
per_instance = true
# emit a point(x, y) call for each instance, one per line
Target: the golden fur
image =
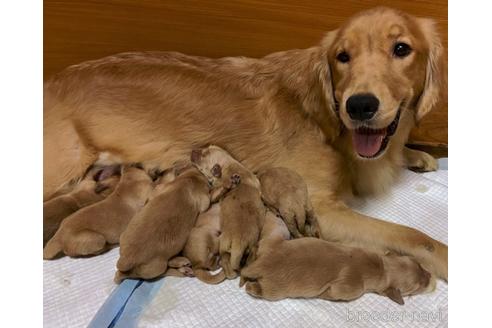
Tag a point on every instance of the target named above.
point(160, 230)
point(309, 267)
point(202, 246)
point(242, 211)
point(285, 193)
point(279, 110)
point(85, 193)
point(92, 229)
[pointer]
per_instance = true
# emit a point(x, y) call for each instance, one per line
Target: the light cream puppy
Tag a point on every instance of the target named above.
point(202, 247)
point(242, 212)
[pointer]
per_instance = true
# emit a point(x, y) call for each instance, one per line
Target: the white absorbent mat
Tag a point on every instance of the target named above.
point(74, 289)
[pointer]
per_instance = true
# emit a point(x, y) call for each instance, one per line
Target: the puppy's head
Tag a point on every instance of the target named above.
point(211, 161)
point(386, 73)
point(405, 277)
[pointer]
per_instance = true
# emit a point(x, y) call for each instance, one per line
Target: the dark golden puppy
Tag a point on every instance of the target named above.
point(97, 184)
point(314, 268)
point(241, 209)
point(93, 229)
point(160, 230)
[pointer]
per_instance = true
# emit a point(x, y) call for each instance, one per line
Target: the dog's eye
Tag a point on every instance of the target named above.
point(402, 50)
point(343, 57)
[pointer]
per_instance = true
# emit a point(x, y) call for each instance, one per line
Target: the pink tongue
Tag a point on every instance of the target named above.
point(367, 145)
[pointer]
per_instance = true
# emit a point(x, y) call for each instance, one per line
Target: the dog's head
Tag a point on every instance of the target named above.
point(386, 71)
point(405, 276)
point(211, 161)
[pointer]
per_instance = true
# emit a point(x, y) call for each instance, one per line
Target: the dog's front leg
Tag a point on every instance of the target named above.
point(340, 223)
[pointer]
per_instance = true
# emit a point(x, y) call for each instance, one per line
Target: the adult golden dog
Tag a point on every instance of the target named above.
point(338, 114)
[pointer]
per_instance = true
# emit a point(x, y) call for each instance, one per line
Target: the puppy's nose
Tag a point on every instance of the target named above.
point(362, 107)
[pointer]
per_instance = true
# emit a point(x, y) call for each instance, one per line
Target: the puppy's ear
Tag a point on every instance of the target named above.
point(435, 87)
point(394, 294)
point(196, 155)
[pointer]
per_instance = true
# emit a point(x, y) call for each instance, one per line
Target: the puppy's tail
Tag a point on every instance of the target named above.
point(52, 249)
point(209, 278)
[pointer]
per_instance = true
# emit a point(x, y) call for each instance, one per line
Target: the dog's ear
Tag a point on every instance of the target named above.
point(394, 294)
point(327, 116)
point(435, 87)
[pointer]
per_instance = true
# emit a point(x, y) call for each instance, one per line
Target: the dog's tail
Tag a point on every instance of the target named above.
point(209, 278)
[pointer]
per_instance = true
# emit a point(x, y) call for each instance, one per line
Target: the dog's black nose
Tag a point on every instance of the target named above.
point(362, 106)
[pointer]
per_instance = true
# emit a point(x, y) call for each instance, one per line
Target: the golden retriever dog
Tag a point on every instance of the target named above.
point(95, 228)
point(338, 114)
point(242, 211)
point(160, 230)
point(285, 192)
point(202, 246)
point(314, 268)
point(97, 184)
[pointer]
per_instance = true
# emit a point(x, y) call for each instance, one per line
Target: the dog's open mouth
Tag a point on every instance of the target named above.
point(369, 143)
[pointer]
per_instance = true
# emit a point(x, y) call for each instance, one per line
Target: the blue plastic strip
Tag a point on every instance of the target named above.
point(114, 304)
point(137, 304)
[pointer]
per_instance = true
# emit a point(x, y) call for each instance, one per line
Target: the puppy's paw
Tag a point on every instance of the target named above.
point(235, 180)
point(179, 262)
point(186, 271)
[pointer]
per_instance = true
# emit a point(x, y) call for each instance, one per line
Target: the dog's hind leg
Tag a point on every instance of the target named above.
point(65, 156)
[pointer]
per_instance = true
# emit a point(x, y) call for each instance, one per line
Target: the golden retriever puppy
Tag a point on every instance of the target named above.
point(93, 229)
point(338, 113)
point(285, 192)
point(160, 230)
point(97, 184)
point(202, 247)
point(241, 209)
point(314, 268)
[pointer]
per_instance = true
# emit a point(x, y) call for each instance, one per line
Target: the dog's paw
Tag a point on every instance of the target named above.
point(419, 161)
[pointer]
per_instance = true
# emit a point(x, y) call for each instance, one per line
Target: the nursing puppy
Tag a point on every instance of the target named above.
point(242, 212)
point(161, 229)
point(202, 247)
point(92, 229)
point(314, 268)
point(285, 192)
point(97, 184)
